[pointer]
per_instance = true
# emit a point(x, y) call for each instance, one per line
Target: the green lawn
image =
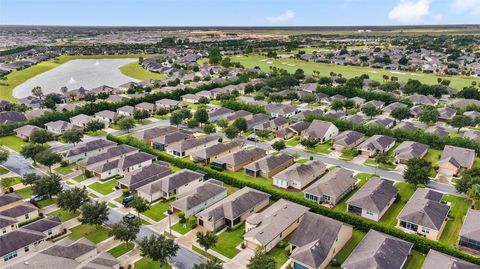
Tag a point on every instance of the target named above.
point(66, 169)
point(228, 241)
point(93, 195)
point(279, 255)
point(363, 177)
point(302, 160)
point(321, 148)
point(112, 205)
point(416, 261)
point(186, 227)
point(64, 215)
point(90, 232)
point(96, 133)
point(458, 210)
point(3, 170)
point(203, 253)
point(230, 189)
point(12, 141)
point(384, 166)
point(46, 202)
point(25, 193)
point(405, 191)
point(343, 254)
point(80, 178)
point(270, 137)
point(104, 187)
point(158, 211)
point(134, 70)
point(10, 181)
point(147, 263)
point(121, 249)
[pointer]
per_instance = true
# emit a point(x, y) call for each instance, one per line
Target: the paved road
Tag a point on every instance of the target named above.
point(185, 258)
point(18, 164)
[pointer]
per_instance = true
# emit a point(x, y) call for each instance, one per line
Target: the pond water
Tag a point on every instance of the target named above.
point(87, 73)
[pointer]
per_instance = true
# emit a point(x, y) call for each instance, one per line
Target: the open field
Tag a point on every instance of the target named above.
point(16, 78)
point(134, 70)
point(252, 60)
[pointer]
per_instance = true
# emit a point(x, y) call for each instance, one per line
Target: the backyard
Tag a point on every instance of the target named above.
point(405, 191)
point(342, 255)
point(363, 178)
point(459, 208)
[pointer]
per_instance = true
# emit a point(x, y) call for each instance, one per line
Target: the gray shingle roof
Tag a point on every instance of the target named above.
point(171, 182)
point(19, 210)
point(374, 196)
point(460, 157)
point(9, 198)
point(269, 162)
point(154, 132)
point(171, 138)
point(214, 150)
point(198, 196)
point(185, 145)
point(318, 129)
point(438, 260)
point(377, 142)
point(145, 175)
point(18, 239)
point(70, 251)
point(242, 156)
point(111, 153)
point(89, 146)
point(410, 149)
point(302, 172)
point(43, 225)
point(12, 117)
point(333, 184)
point(471, 227)
point(348, 138)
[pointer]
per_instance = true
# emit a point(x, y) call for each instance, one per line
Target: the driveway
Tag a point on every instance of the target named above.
point(241, 260)
point(19, 165)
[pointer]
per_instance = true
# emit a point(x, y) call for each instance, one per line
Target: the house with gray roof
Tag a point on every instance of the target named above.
point(35, 113)
point(185, 147)
point(331, 188)
point(455, 159)
point(302, 114)
point(446, 113)
point(211, 153)
point(239, 114)
point(25, 131)
point(470, 232)
point(30, 101)
point(218, 113)
point(59, 126)
point(438, 260)
point(143, 176)
point(437, 130)
point(268, 227)
point(191, 98)
point(422, 100)
point(81, 120)
point(174, 184)
point(238, 159)
point(146, 106)
point(161, 142)
point(474, 135)
point(273, 125)
point(269, 165)
point(347, 139)
point(280, 110)
point(406, 125)
point(315, 248)
point(416, 110)
point(424, 214)
point(126, 111)
point(18, 243)
point(376, 144)
point(106, 116)
point(256, 119)
point(169, 104)
point(383, 122)
point(408, 150)
point(122, 165)
point(356, 118)
point(109, 155)
point(472, 114)
point(299, 175)
point(149, 134)
point(12, 117)
point(373, 199)
point(375, 103)
point(233, 210)
point(388, 109)
point(321, 130)
point(51, 226)
point(88, 149)
point(200, 198)
point(379, 250)
point(66, 107)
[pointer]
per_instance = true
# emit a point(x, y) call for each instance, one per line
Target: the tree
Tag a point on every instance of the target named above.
point(40, 136)
point(337, 104)
point(207, 240)
point(241, 124)
point(176, 118)
point(192, 123)
point(309, 142)
point(209, 128)
point(30, 178)
point(141, 114)
point(400, 113)
point(279, 145)
point(140, 204)
point(214, 57)
point(51, 100)
point(232, 132)
point(474, 194)
point(417, 171)
point(94, 125)
point(403, 61)
point(30, 150)
point(126, 123)
point(73, 136)
point(261, 261)
point(158, 248)
point(37, 91)
point(381, 158)
point(126, 230)
point(94, 213)
point(223, 122)
point(48, 158)
point(3, 156)
point(371, 111)
point(429, 115)
point(201, 115)
point(90, 97)
point(47, 185)
point(460, 121)
point(210, 264)
point(72, 199)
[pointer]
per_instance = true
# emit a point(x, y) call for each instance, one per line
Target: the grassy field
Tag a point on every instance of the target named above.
point(147, 263)
point(459, 208)
point(12, 141)
point(280, 256)
point(134, 70)
point(158, 211)
point(16, 78)
point(416, 261)
point(186, 227)
point(64, 215)
point(252, 60)
point(10, 181)
point(25, 192)
point(121, 249)
point(228, 242)
point(90, 232)
point(80, 178)
point(104, 188)
point(65, 170)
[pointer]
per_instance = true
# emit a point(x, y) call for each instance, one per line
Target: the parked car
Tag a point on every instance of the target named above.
point(37, 198)
point(129, 216)
point(253, 139)
point(127, 200)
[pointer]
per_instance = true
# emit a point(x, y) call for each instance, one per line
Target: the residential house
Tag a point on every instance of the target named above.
point(81, 120)
point(375, 103)
point(30, 102)
point(239, 114)
point(161, 142)
point(317, 240)
point(376, 144)
point(143, 176)
point(280, 110)
point(455, 160)
point(218, 113)
point(12, 117)
point(446, 113)
point(303, 114)
point(18, 243)
point(149, 134)
point(424, 214)
point(50, 227)
point(359, 101)
point(146, 106)
point(233, 210)
point(379, 250)
point(174, 184)
point(296, 129)
point(128, 85)
point(169, 104)
point(331, 188)
point(116, 98)
point(200, 198)
point(238, 159)
point(210, 154)
point(186, 147)
point(66, 107)
point(35, 113)
point(388, 109)
point(255, 120)
point(106, 116)
point(347, 139)
point(321, 130)
point(437, 130)
point(439, 260)
point(13, 208)
point(122, 165)
point(25, 131)
point(299, 175)
point(373, 199)
point(356, 118)
point(59, 126)
point(275, 223)
point(273, 125)
point(126, 111)
point(423, 100)
point(191, 98)
point(470, 232)
point(269, 165)
point(416, 110)
point(406, 125)
point(408, 150)
point(87, 150)
point(110, 154)
point(474, 135)
point(383, 122)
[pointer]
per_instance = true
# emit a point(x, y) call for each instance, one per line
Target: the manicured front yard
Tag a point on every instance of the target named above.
point(321, 148)
point(121, 249)
point(147, 263)
point(13, 142)
point(3, 170)
point(7, 182)
point(158, 211)
point(228, 242)
point(293, 142)
point(46, 202)
point(203, 253)
point(104, 188)
point(64, 215)
point(405, 191)
point(384, 166)
point(90, 232)
point(186, 227)
point(66, 169)
point(25, 193)
point(458, 210)
point(279, 255)
point(96, 133)
point(342, 255)
point(80, 178)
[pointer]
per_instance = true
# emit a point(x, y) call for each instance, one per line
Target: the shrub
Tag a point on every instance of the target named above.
point(88, 174)
point(181, 215)
point(63, 163)
point(282, 244)
point(193, 226)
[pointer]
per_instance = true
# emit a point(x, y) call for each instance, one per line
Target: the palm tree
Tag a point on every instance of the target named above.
point(474, 194)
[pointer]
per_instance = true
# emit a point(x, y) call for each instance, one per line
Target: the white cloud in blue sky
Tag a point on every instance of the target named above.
point(282, 18)
point(410, 11)
point(470, 6)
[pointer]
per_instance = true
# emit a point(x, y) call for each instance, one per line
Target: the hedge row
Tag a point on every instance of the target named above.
point(421, 244)
point(349, 92)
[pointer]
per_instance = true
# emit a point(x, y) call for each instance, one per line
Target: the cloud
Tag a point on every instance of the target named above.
point(410, 11)
point(470, 6)
point(284, 17)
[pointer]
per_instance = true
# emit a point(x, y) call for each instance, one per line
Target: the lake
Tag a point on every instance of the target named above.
point(73, 74)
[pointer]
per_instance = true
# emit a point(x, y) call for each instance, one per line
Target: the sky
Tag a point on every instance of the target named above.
point(238, 12)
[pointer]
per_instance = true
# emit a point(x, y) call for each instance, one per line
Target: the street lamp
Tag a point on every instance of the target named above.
point(170, 212)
